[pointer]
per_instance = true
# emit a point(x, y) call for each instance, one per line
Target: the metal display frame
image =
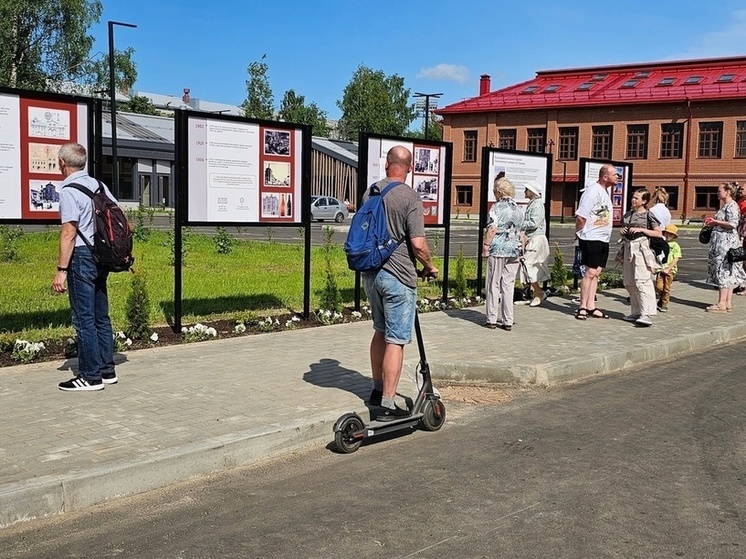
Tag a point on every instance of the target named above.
point(181, 214)
point(93, 141)
point(364, 181)
point(486, 188)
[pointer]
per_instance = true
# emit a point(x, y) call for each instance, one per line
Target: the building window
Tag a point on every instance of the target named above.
point(673, 196)
point(507, 139)
point(672, 140)
point(470, 145)
point(706, 198)
point(127, 165)
point(741, 138)
point(710, 139)
point(601, 142)
point(537, 140)
point(568, 143)
point(637, 141)
point(464, 195)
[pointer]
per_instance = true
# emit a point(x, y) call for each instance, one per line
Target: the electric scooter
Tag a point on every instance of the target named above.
point(428, 411)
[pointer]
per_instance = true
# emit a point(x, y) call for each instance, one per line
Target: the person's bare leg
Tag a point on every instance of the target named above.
point(377, 350)
point(393, 360)
point(589, 285)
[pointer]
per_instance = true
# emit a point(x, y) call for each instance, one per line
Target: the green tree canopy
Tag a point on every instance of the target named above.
point(294, 109)
point(139, 104)
point(374, 102)
point(125, 71)
point(259, 101)
point(43, 39)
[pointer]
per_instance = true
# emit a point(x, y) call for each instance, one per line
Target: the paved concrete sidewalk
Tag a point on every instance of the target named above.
point(183, 411)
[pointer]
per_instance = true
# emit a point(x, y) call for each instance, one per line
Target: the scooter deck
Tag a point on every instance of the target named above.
point(381, 427)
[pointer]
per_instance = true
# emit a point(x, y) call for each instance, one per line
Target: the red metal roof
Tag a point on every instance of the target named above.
point(654, 82)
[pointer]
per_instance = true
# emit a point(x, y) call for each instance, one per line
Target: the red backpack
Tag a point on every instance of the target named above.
point(112, 234)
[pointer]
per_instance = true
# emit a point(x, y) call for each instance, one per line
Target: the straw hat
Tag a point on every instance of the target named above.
point(672, 230)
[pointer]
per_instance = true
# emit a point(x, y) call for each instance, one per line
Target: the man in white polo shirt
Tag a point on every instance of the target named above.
point(593, 226)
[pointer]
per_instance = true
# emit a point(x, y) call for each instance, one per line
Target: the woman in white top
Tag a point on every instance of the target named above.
point(659, 207)
point(535, 244)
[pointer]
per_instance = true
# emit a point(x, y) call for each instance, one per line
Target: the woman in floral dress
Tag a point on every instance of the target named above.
point(720, 272)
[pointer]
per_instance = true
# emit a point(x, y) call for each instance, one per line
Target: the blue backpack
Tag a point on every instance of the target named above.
point(369, 243)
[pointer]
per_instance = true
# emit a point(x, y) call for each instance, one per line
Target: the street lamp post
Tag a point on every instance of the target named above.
point(427, 97)
point(113, 101)
point(564, 189)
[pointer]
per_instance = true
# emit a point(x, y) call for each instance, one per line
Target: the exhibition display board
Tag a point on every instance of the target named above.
point(235, 171)
point(430, 177)
point(33, 126)
point(620, 192)
point(520, 168)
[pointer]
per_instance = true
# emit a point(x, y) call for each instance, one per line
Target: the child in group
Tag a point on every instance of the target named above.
point(666, 274)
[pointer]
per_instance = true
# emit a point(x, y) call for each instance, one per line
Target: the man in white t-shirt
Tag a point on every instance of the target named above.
point(593, 226)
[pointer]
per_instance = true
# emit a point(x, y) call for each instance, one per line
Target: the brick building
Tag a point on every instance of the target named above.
point(681, 124)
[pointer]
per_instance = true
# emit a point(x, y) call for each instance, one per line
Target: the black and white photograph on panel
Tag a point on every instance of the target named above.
point(426, 187)
point(426, 160)
point(276, 142)
point(44, 195)
point(276, 173)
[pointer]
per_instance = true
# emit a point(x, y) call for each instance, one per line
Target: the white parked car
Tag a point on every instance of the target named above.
point(326, 207)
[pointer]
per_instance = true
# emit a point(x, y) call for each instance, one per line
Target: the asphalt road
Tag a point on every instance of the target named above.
point(643, 464)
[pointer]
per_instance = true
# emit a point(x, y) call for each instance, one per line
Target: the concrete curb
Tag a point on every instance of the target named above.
point(51, 495)
point(592, 364)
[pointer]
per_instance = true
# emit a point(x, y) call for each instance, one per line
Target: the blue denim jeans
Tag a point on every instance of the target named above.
point(393, 305)
point(89, 302)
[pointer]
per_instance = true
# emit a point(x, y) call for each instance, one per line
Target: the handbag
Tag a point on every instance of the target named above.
point(736, 255)
point(705, 234)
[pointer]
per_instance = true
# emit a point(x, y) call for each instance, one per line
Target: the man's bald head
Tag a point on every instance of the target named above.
point(398, 163)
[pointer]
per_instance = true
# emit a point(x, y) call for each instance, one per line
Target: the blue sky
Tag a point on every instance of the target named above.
point(437, 46)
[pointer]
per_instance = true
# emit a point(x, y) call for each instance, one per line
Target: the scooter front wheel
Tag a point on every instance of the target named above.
point(347, 437)
point(433, 414)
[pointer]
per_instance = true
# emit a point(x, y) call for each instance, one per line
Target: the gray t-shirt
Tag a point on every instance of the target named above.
point(77, 207)
point(405, 221)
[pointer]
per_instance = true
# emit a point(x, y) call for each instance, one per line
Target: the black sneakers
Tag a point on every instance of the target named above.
point(109, 378)
point(80, 384)
point(387, 414)
point(375, 397)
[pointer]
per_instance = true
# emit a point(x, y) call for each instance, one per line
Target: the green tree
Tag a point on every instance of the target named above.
point(259, 101)
point(125, 72)
point(294, 109)
point(374, 102)
point(139, 104)
point(43, 39)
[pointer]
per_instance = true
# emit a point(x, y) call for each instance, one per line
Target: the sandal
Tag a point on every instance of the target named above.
point(601, 314)
point(716, 309)
point(581, 314)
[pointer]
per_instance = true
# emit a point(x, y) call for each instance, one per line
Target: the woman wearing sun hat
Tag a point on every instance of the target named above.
point(665, 278)
point(535, 244)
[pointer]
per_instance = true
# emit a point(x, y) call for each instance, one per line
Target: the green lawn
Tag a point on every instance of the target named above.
point(259, 277)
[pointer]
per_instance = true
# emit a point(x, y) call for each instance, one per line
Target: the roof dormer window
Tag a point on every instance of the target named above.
point(693, 80)
point(629, 84)
point(585, 86)
point(530, 89)
point(667, 81)
point(726, 78)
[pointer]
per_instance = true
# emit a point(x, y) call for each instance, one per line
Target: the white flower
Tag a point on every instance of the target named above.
point(356, 314)
point(295, 319)
point(128, 342)
point(184, 330)
point(211, 332)
point(240, 328)
point(154, 336)
point(121, 335)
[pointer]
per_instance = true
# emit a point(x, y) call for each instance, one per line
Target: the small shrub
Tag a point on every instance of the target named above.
point(223, 241)
point(558, 274)
point(611, 278)
point(331, 298)
point(138, 309)
point(459, 281)
point(9, 243)
point(270, 235)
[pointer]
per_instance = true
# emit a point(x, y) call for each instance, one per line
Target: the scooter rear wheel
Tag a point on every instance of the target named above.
point(345, 439)
point(433, 415)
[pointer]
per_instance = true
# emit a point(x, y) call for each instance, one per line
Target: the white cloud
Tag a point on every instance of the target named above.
point(445, 72)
